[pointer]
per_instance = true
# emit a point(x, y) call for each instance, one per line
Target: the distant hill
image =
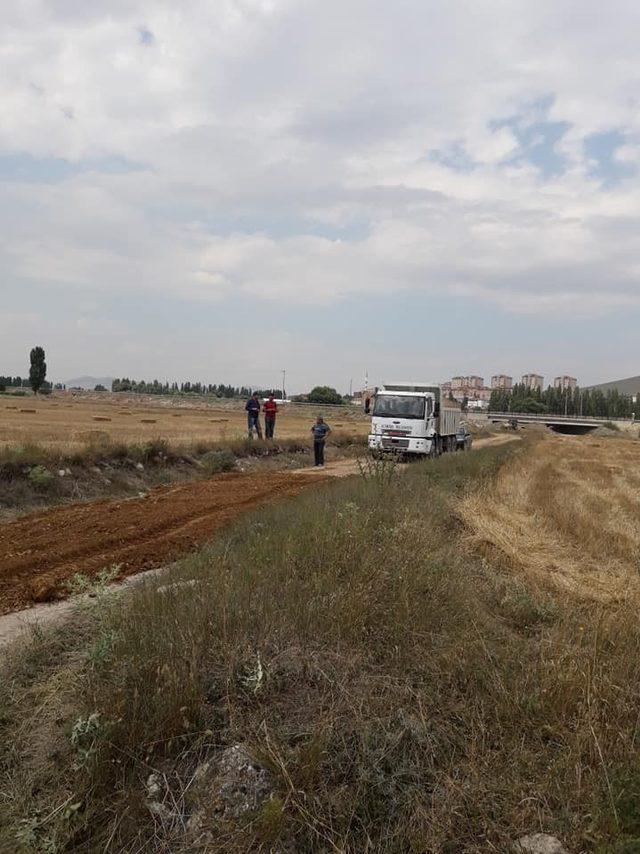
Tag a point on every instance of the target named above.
point(629, 386)
point(89, 382)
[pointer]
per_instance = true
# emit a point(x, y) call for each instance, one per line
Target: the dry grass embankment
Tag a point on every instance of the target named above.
point(404, 694)
point(33, 476)
point(566, 515)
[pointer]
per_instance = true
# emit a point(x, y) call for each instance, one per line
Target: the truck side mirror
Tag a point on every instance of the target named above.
point(436, 409)
point(367, 406)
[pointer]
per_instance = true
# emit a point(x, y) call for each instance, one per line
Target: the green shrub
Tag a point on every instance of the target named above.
point(154, 448)
point(218, 461)
point(41, 477)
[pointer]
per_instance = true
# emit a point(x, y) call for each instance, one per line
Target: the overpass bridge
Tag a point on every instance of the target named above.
point(560, 423)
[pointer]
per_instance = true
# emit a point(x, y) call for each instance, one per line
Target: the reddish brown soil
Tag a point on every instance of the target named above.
point(41, 551)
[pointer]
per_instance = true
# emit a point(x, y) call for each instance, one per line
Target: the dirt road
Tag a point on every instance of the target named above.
point(41, 551)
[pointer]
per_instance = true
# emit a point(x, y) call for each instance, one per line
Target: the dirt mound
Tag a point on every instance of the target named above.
point(39, 553)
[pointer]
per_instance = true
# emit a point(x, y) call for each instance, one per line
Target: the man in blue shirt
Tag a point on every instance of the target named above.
point(253, 416)
point(320, 432)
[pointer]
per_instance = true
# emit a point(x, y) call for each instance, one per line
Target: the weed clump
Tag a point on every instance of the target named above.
point(40, 477)
point(215, 462)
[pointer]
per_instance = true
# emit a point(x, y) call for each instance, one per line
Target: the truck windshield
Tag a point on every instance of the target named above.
point(397, 406)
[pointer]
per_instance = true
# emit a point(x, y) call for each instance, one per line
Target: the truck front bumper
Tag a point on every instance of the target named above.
point(399, 445)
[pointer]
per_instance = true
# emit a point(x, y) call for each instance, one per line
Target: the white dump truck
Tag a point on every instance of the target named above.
point(413, 418)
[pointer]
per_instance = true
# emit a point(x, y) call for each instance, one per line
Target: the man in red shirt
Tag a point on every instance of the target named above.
point(270, 410)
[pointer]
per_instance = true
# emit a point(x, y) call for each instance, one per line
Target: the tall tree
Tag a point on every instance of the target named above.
point(38, 369)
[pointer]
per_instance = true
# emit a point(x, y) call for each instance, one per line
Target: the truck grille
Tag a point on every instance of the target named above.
point(388, 442)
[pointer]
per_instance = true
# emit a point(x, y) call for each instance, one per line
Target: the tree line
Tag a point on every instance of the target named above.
point(217, 389)
point(38, 382)
point(37, 374)
point(21, 382)
point(555, 401)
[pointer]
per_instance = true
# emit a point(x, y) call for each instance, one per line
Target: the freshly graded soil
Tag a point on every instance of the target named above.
point(40, 552)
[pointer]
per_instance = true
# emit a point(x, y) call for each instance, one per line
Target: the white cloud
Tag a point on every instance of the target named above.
point(284, 149)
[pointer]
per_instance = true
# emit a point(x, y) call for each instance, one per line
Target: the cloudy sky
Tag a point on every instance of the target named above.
point(219, 190)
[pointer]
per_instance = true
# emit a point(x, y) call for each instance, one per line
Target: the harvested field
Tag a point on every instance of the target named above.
point(566, 515)
point(63, 423)
point(39, 553)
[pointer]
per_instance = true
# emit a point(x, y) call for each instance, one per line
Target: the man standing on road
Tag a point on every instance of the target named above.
point(320, 432)
point(253, 416)
point(270, 412)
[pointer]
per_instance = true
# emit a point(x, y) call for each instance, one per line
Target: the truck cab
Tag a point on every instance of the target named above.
point(408, 418)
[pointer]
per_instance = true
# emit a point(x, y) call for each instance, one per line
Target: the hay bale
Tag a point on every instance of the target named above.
point(101, 418)
point(31, 411)
point(147, 420)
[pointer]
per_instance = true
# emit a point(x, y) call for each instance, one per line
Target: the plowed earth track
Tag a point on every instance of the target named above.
point(40, 552)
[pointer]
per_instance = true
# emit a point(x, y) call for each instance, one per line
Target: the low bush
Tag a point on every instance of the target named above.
point(155, 449)
point(40, 477)
point(214, 462)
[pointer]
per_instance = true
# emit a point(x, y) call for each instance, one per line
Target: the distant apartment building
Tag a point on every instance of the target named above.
point(471, 388)
point(475, 382)
point(565, 383)
point(533, 381)
point(502, 381)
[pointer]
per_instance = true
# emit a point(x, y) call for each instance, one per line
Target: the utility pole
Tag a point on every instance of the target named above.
point(284, 374)
point(350, 388)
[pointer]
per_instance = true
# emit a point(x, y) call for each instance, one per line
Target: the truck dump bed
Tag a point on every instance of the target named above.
point(450, 420)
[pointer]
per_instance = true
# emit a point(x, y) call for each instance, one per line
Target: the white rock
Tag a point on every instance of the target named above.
point(243, 784)
point(154, 786)
point(539, 843)
point(139, 466)
point(61, 472)
point(155, 791)
point(166, 588)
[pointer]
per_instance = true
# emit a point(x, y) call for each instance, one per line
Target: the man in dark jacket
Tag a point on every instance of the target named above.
point(270, 412)
point(253, 416)
point(320, 432)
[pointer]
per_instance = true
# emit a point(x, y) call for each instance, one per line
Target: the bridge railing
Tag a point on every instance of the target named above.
point(548, 416)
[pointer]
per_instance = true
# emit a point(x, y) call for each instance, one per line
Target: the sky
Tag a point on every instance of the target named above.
point(409, 190)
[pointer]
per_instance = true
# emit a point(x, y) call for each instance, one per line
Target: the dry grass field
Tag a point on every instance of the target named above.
point(566, 515)
point(67, 424)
